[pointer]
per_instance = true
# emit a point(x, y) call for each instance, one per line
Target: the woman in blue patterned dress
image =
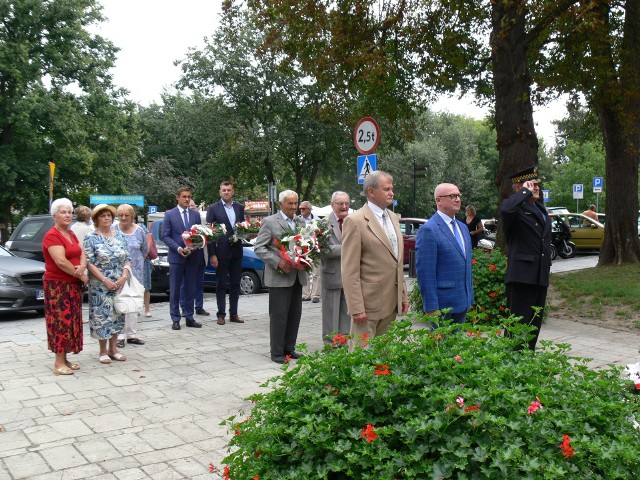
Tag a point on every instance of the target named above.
point(138, 247)
point(109, 265)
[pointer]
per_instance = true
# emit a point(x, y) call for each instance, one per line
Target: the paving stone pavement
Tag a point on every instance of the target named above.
point(157, 415)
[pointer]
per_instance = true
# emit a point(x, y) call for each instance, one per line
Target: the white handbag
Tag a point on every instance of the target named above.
point(130, 298)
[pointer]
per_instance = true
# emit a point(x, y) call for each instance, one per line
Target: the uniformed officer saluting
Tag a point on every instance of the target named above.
point(527, 228)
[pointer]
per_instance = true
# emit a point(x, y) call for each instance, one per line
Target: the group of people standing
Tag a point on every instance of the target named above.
point(363, 288)
point(102, 258)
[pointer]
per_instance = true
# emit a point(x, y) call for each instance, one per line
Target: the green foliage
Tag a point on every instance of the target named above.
point(489, 269)
point(419, 404)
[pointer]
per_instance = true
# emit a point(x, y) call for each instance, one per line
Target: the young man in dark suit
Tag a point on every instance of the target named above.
point(182, 262)
point(527, 228)
point(224, 255)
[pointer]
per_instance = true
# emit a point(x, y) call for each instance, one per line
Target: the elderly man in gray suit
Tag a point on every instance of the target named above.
point(335, 317)
point(283, 278)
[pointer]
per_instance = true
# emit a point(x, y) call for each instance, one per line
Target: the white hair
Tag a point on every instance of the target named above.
point(60, 202)
point(286, 193)
point(337, 194)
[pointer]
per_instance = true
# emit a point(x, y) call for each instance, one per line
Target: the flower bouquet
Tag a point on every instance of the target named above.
point(322, 233)
point(300, 248)
point(200, 235)
point(248, 229)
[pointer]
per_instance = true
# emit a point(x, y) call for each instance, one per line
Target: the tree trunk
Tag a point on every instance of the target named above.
point(517, 141)
point(618, 108)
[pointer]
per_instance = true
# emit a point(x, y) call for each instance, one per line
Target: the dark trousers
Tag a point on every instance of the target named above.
point(180, 273)
point(285, 310)
point(231, 268)
point(199, 288)
point(521, 298)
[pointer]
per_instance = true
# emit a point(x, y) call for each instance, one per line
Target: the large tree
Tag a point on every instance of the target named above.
point(57, 103)
point(493, 48)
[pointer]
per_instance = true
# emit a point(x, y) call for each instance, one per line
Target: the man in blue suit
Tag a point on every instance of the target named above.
point(226, 256)
point(444, 253)
point(182, 262)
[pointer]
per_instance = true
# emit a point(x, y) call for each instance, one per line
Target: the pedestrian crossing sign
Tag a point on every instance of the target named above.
point(366, 165)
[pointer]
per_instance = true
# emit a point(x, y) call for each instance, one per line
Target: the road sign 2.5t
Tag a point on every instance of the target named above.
point(366, 136)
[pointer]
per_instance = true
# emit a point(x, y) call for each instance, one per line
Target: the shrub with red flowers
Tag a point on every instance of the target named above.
point(489, 270)
point(421, 404)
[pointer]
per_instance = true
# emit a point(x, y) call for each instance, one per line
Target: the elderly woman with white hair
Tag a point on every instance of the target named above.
point(65, 265)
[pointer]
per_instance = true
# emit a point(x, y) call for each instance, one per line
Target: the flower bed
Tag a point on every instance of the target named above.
point(421, 404)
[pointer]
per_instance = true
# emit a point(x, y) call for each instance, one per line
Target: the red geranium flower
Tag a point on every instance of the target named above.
point(492, 267)
point(340, 339)
point(226, 473)
point(368, 433)
point(472, 408)
point(492, 294)
point(565, 446)
point(382, 370)
point(211, 468)
point(535, 405)
point(473, 261)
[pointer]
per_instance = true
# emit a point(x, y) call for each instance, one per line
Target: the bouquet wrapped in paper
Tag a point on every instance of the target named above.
point(299, 247)
point(247, 229)
point(199, 236)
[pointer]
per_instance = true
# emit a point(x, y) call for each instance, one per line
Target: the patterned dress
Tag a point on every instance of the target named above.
point(138, 248)
point(109, 254)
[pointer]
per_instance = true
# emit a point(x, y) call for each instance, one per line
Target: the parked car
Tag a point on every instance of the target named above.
point(586, 233)
point(21, 285)
point(409, 227)
point(26, 240)
point(251, 281)
point(551, 210)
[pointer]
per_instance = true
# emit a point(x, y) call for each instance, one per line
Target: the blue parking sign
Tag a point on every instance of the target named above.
point(545, 196)
point(597, 184)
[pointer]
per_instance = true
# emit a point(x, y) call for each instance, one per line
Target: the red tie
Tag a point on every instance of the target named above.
point(340, 223)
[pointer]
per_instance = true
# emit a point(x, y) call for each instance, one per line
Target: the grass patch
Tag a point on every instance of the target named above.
point(608, 294)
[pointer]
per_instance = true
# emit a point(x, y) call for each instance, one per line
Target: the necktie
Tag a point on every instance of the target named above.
point(185, 219)
point(340, 223)
point(388, 229)
point(456, 234)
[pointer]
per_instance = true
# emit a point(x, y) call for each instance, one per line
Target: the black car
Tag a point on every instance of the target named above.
point(26, 239)
point(21, 284)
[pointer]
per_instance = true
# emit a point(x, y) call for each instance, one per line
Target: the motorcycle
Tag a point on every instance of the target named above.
point(560, 243)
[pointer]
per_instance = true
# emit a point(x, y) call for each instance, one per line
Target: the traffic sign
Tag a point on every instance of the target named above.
point(597, 184)
point(545, 196)
point(134, 199)
point(366, 165)
point(578, 191)
point(153, 209)
point(366, 136)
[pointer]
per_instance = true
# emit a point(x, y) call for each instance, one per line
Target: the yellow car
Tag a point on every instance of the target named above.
point(586, 233)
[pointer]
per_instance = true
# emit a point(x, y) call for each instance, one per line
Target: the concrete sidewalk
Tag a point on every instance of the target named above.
point(157, 415)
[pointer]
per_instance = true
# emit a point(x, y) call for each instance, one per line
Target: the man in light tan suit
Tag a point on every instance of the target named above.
point(372, 262)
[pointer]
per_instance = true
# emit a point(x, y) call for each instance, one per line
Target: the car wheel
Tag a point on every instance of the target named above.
point(249, 283)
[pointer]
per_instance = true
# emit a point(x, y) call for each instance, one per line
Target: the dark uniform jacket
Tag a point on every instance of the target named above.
point(527, 227)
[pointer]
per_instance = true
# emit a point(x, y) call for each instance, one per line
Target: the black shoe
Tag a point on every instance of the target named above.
point(175, 326)
point(294, 355)
point(192, 323)
point(278, 358)
point(315, 300)
point(120, 343)
point(202, 311)
point(135, 341)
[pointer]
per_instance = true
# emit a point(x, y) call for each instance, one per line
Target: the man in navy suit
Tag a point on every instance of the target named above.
point(527, 229)
point(182, 262)
point(226, 256)
point(443, 258)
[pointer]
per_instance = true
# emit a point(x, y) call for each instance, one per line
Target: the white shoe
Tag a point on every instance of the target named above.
point(147, 314)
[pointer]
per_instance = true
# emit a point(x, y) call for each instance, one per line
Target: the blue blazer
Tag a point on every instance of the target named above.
point(443, 269)
point(172, 230)
point(222, 248)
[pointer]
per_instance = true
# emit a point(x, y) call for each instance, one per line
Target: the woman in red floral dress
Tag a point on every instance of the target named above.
point(65, 267)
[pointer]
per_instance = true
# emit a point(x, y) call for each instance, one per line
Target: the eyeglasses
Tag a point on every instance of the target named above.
point(304, 208)
point(342, 204)
point(453, 196)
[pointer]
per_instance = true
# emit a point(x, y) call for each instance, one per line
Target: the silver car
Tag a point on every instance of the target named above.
point(21, 284)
